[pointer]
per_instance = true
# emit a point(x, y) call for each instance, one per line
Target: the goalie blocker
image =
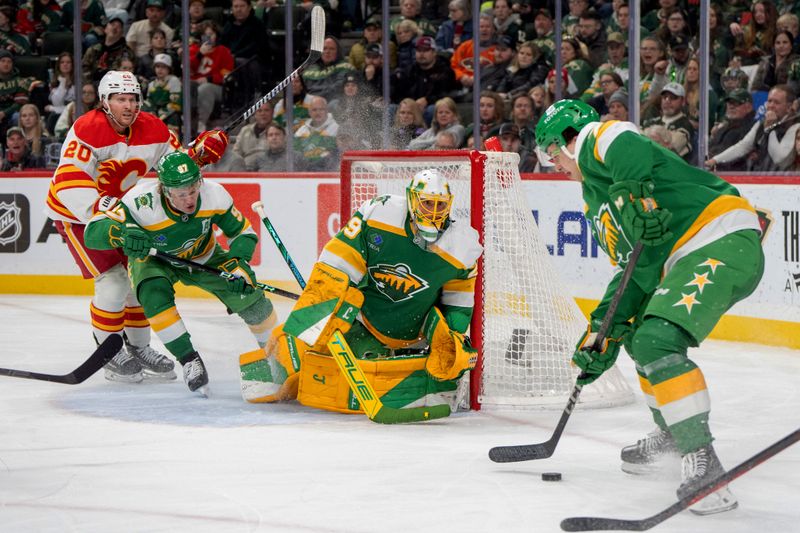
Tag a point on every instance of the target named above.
point(296, 363)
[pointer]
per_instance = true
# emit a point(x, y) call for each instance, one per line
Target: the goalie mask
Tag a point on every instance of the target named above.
point(429, 203)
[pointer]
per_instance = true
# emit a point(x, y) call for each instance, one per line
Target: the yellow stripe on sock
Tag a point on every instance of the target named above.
point(165, 319)
point(679, 387)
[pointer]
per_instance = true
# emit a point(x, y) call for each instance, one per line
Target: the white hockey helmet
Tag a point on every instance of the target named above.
point(118, 82)
point(429, 203)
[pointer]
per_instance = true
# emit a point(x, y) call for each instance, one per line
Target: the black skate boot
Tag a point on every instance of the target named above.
point(123, 368)
point(645, 456)
point(194, 373)
point(155, 365)
point(698, 468)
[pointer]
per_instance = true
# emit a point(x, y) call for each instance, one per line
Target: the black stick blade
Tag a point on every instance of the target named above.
point(587, 523)
point(523, 452)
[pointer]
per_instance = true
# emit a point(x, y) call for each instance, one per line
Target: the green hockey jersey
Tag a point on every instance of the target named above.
point(401, 282)
point(704, 207)
point(186, 236)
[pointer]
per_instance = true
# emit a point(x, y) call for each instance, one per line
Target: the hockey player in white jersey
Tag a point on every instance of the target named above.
point(105, 153)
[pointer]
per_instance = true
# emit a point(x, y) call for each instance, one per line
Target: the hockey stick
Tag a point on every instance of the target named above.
point(543, 450)
point(102, 355)
point(258, 207)
point(372, 405)
point(587, 523)
point(221, 273)
point(317, 39)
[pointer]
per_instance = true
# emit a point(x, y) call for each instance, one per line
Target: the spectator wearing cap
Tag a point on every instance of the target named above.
point(245, 36)
point(13, 91)
point(372, 35)
point(678, 58)
point(777, 67)
point(164, 93)
point(768, 145)
point(456, 29)
point(738, 119)
point(504, 52)
point(372, 73)
point(209, 64)
point(275, 156)
point(138, 37)
point(406, 34)
point(592, 34)
point(511, 142)
point(315, 139)
point(429, 79)
point(506, 22)
point(617, 62)
point(93, 20)
point(106, 55)
point(610, 82)
point(326, 76)
point(411, 10)
point(677, 123)
point(617, 106)
point(543, 35)
point(18, 153)
point(251, 140)
point(577, 8)
point(461, 60)
point(445, 117)
point(528, 69)
point(753, 40)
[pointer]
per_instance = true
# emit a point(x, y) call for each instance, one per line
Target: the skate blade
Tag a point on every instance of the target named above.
point(717, 502)
point(151, 375)
point(647, 469)
point(204, 391)
point(119, 378)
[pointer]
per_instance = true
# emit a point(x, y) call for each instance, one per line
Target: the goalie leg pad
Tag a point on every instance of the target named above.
point(328, 303)
point(450, 352)
point(270, 375)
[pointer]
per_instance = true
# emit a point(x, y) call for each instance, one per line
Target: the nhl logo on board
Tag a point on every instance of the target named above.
point(14, 223)
point(10, 223)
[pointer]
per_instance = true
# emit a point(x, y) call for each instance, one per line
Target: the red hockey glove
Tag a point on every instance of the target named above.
point(209, 147)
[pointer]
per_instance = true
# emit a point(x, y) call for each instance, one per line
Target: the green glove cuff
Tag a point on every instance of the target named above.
point(243, 247)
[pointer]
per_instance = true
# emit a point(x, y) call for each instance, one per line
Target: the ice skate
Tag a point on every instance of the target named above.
point(648, 455)
point(698, 468)
point(124, 368)
point(155, 366)
point(195, 375)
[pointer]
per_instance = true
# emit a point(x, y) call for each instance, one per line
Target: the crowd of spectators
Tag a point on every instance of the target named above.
point(338, 102)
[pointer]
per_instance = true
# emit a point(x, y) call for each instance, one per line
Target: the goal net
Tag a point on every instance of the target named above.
point(525, 325)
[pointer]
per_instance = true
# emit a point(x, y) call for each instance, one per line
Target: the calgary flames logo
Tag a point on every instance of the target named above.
point(396, 282)
point(115, 177)
point(609, 233)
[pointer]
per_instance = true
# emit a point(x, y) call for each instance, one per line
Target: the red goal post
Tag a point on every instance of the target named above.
point(524, 324)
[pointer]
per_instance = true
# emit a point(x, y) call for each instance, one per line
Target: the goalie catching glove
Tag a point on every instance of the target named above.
point(209, 147)
point(594, 363)
point(642, 219)
point(450, 352)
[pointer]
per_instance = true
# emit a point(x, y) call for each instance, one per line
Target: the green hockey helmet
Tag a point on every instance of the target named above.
point(177, 170)
point(561, 116)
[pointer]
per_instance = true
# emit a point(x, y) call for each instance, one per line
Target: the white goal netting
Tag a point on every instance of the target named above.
point(526, 324)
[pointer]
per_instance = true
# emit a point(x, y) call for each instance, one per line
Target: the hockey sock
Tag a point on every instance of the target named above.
point(260, 318)
point(674, 385)
point(158, 300)
point(137, 328)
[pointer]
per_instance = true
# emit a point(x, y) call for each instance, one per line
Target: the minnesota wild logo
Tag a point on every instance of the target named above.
point(144, 200)
point(396, 282)
point(609, 234)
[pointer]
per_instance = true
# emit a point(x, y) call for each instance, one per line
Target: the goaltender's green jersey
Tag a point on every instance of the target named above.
point(401, 282)
point(704, 207)
point(187, 236)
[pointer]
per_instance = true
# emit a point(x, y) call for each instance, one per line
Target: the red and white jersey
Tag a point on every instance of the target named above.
point(97, 161)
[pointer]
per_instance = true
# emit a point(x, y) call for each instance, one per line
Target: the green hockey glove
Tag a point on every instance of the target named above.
point(595, 363)
point(642, 219)
point(239, 283)
point(136, 243)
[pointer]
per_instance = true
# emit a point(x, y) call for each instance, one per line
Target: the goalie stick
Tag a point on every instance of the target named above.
point(258, 207)
point(221, 273)
point(543, 450)
point(102, 355)
point(372, 405)
point(317, 39)
point(588, 523)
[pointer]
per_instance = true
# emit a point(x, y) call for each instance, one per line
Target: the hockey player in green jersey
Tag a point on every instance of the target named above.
point(176, 214)
point(701, 255)
point(398, 280)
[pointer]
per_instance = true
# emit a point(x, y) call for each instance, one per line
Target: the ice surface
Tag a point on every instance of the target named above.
point(108, 457)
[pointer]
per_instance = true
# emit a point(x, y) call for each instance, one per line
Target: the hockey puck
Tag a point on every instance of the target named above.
point(551, 476)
